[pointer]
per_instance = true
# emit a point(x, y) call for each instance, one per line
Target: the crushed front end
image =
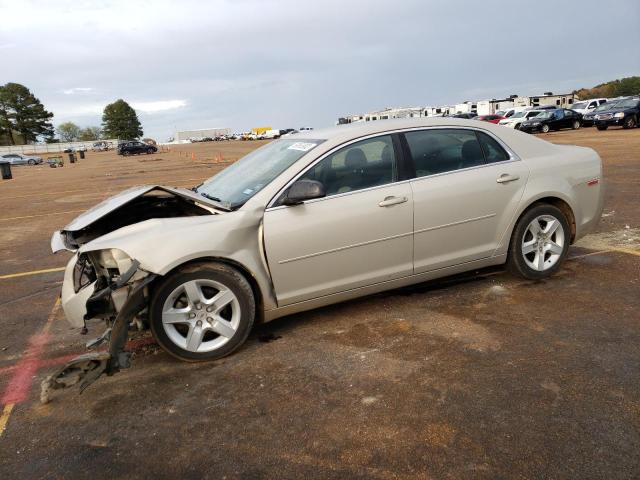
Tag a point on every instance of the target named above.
point(101, 286)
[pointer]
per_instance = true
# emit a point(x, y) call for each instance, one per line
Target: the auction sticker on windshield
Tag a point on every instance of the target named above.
point(302, 146)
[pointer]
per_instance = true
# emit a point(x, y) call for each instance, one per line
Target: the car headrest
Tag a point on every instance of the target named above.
point(472, 152)
point(355, 159)
point(387, 154)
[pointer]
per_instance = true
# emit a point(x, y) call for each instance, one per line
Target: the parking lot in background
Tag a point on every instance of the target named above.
point(477, 376)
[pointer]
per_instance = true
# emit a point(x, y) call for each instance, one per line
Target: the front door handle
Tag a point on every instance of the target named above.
point(506, 178)
point(388, 201)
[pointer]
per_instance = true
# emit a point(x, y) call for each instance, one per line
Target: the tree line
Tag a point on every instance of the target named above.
point(622, 87)
point(24, 119)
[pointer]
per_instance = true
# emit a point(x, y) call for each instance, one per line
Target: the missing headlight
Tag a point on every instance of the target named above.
point(83, 273)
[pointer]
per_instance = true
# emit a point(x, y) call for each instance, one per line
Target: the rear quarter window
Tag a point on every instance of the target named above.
point(493, 151)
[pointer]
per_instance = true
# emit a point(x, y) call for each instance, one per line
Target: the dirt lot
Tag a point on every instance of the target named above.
point(477, 376)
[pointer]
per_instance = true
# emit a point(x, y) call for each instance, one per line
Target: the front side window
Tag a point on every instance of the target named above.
point(364, 164)
point(443, 150)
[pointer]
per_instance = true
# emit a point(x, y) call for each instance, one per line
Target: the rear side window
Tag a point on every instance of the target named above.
point(443, 150)
point(492, 150)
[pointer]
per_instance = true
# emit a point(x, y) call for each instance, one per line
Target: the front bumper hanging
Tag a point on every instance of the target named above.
point(86, 369)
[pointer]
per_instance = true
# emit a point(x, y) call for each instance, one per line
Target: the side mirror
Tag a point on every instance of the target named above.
point(303, 190)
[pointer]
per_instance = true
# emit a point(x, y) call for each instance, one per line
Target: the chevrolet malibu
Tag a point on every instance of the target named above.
point(319, 218)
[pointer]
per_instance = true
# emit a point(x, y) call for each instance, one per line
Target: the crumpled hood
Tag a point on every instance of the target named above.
point(117, 201)
point(133, 206)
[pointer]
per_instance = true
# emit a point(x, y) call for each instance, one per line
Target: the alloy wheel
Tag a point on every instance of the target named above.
point(201, 315)
point(543, 243)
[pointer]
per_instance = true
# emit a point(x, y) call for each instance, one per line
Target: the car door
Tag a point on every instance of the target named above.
point(359, 234)
point(466, 191)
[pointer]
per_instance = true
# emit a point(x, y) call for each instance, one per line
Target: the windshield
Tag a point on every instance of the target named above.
point(533, 113)
point(605, 106)
point(240, 181)
point(518, 115)
point(628, 103)
point(579, 106)
point(545, 114)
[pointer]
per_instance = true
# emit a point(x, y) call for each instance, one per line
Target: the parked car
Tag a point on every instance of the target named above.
point(135, 147)
point(19, 159)
point(467, 116)
point(552, 120)
point(588, 119)
point(588, 106)
point(319, 218)
point(624, 113)
point(490, 118)
point(100, 147)
point(517, 118)
point(509, 112)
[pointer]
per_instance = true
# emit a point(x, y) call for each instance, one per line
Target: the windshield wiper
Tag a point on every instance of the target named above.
point(219, 203)
point(210, 197)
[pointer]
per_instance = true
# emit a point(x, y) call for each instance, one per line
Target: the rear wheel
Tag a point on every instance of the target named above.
point(629, 123)
point(149, 151)
point(31, 162)
point(539, 243)
point(545, 128)
point(575, 125)
point(602, 127)
point(202, 312)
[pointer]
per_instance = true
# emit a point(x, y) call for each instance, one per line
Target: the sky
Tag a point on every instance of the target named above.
point(291, 63)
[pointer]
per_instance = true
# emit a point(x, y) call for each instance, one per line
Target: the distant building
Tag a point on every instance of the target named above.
point(480, 107)
point(187, 135)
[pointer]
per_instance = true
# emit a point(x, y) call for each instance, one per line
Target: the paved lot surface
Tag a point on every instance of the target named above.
point(477, 376)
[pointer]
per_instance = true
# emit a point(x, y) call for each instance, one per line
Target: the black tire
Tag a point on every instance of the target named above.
point(150, 151)
point(545, 128)
point(221, 273)
point(575, 125)
point(629, 122)
point(602, 127)
point(31, 162)
point(517, 127)
point(515, 259)
point(126, 153)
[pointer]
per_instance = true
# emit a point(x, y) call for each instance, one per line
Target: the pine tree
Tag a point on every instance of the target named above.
point(22, 113)
point(119, 120)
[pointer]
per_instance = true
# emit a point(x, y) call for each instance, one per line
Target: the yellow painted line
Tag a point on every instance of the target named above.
point(4, 418)
point(8, 408)
point(52, 316)
point(41, 215)
point(34, 272)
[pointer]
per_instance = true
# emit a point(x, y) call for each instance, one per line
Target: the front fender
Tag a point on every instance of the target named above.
point(160, 245)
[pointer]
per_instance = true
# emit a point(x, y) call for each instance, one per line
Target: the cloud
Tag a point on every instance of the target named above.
point(286, 63)
point(159, 105)
point(72, 91)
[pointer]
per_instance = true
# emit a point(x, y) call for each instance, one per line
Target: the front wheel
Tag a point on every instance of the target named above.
point(545, 128)
point(629, 123)
point(31, 162)
point(539, 243)
point(149, 151)
point(202, 312)
point(575, 125)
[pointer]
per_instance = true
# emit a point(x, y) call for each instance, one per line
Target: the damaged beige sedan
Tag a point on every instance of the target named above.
point(315, 219)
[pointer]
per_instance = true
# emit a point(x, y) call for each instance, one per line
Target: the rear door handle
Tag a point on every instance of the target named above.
point(506, 178)
point(388, 201)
